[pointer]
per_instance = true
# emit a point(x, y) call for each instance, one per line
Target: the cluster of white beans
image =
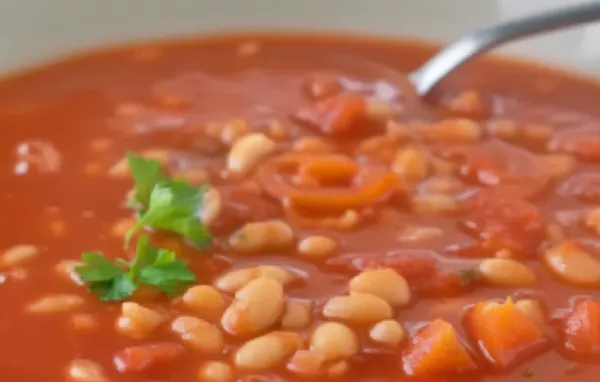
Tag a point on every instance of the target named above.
point(252, 303)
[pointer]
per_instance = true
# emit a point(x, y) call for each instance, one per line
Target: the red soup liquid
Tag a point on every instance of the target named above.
point(279, 216)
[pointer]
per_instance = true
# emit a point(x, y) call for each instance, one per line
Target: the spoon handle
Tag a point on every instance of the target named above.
point(480, 41)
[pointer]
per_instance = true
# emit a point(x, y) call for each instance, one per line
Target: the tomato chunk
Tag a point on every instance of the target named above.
point(505, 335)
point(447, 283)
point(411, 264)
point(584, 186)
point(143, 357)
point(436, 350)
point(509, 169)
point(582, 329)
point(340, 115)
point(505, 223)
point(583, 142)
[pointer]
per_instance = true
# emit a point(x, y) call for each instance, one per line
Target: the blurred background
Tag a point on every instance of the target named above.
point(32, 30)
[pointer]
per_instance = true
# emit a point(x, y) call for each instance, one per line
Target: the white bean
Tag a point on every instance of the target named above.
point(262, 236)
point(56, 303)
point(248, 151)
point(256, 307)
point(205, 301)
point(385, 283)
point(268, 351)
point(215, 371)
point(297, 315)
point(83, 370)
point(360, 308)
point(211, 206)
point(316, 247)
point(388, 333)
point(199, 334)
point(17, 255)
point(572, 264)
point(233, 281)
point(334, 341)
point(137, 321)
point(506, 273)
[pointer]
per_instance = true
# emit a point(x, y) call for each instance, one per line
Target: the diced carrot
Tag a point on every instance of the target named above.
point(436, 350)
point(140, 358)
point(341, 115)
point(505, 335)
point(582, 328)
point(361, 185)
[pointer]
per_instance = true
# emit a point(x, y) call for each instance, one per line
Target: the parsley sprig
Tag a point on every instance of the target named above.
point(114, 281)
point(165, 204)
point(161, 203)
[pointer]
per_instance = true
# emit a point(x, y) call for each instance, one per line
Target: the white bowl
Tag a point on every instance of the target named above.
point(35, 30)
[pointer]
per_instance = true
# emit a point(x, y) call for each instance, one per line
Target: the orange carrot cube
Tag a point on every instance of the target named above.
point(505, 335)
point(437, 350)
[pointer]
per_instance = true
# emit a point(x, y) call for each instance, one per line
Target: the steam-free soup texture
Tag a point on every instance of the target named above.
point(275, 208)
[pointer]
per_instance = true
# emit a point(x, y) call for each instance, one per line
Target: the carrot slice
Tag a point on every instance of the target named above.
point(436, 350)
point(504, 334)
point(143, 357)
point(582, 328)
point(335, 182)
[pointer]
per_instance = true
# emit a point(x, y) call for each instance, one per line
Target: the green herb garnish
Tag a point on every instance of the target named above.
point(174, 207)
point(169, 205)
point(147, 173)
point(152, 266)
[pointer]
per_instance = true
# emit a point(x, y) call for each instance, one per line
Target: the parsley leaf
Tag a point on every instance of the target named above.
point(152, 266)
point(159, 267)
point(109, 281)
point(116, 289)
point(147, 173)
point(97, 268)
point(173, 207)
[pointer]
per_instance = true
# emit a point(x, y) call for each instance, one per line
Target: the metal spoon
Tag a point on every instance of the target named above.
point(466, 48)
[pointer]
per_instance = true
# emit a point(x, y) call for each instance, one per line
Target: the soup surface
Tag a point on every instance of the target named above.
point(268, 208)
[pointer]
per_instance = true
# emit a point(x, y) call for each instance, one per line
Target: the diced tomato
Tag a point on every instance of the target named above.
point(242, 205)
point(341, 115)
point(583, 142)
point(508, 168)
point(436, 350)
point(584, 186)
point(322, 86)
point(468, 103)
point(505, 335)
point(140, 358)
point(504, 222)
point(447, 284)
point(582, 328)
point(411, 264)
